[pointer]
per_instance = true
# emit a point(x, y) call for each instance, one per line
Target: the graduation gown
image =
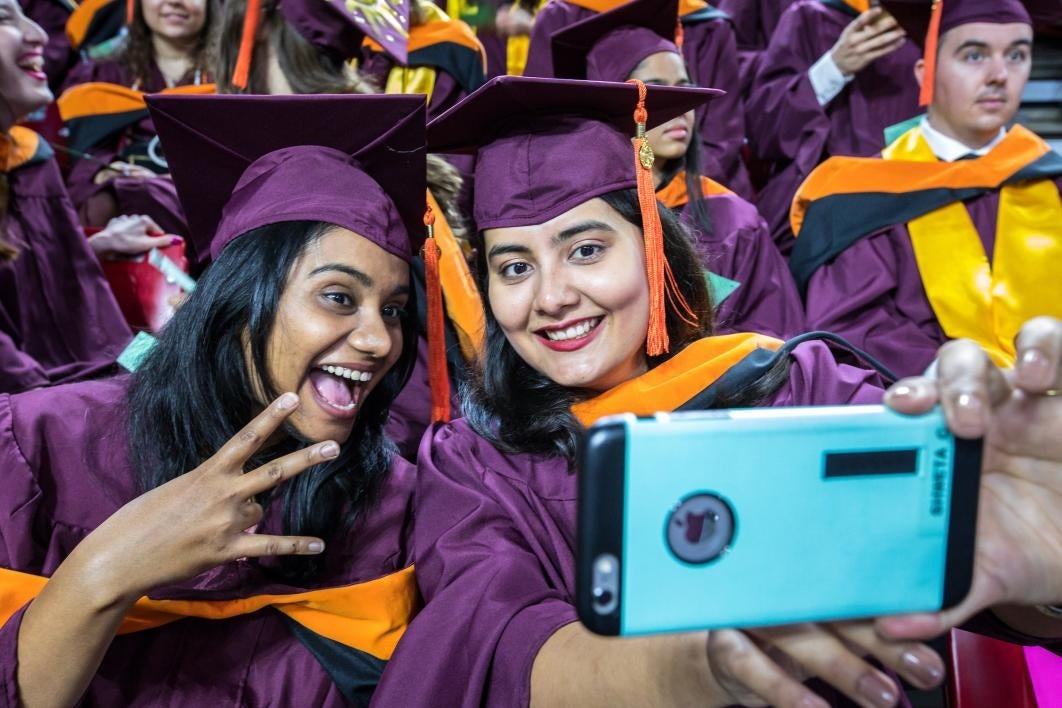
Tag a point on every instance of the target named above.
point(495, 536)
point(65, 474)
point(873, 292)
point(98, 203)
point(792, 133)
point(710, 51)
point(750, 282)
point(58, 319)
point(754, 23)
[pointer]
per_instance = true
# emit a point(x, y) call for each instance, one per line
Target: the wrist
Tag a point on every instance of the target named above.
point(93, 573)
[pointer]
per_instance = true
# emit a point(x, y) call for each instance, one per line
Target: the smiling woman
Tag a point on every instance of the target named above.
point(281, 546)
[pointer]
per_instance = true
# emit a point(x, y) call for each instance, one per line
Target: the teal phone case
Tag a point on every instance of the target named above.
point(773, 516)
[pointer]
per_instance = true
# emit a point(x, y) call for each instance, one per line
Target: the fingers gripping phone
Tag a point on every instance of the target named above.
point(772, 516)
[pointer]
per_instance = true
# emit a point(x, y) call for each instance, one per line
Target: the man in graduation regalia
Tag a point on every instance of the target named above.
point(957, 230)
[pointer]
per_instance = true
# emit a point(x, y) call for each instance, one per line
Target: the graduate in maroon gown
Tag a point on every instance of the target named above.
point(125, 509)
point(58, 319)
point(834, 77)
point(708, 44)
point(165, 46)
point(754, 23)
point(957, 232)
point(750, 281)
point(576, 330)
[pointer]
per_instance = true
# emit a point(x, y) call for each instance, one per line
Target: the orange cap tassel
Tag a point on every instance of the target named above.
point(130, 11)
point(680, 34)
point(242, 72)
point(929, 77)
point(662, 285)
point(437, 376)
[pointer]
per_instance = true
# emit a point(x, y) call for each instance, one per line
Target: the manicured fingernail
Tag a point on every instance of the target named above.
point(1034, 367)
point(813, 702)
point(329, 450)
point(923, 667)
point(877, 690)
point(969, 410)
point(287, 401)
point(315, 547)
point(176, 241)
point(902, 390)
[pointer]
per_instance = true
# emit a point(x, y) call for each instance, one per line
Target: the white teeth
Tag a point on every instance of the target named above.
point(349, 374)
point(572, 332)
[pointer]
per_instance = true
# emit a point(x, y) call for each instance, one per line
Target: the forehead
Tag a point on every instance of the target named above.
point(541, 234)
point(992, 34)
point(662, 65)
point(339, 246)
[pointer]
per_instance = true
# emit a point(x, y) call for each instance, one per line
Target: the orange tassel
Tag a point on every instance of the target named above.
point(241, 74)
point(130, 11)
point(929, 77)
point(680, 34)
point(662, 285)
point(437, 376)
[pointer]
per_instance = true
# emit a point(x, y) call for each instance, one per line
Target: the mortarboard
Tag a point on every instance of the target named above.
point(544, 146)
point(356, 161)
point(609, 45)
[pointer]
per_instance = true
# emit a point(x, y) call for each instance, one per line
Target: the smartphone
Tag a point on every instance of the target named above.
point(756, 517)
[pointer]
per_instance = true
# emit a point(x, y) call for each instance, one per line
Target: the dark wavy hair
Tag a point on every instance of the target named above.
point(194, 391)
point(138, 55)
point(520, 410)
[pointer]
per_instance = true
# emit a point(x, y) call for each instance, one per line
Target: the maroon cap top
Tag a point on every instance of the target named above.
point(609, 45)
point(544, 146)
point(356, 161)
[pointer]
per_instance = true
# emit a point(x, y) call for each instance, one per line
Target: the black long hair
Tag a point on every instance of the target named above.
point(194, 391)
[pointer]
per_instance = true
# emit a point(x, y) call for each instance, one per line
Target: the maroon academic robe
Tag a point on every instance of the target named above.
point(66, 469)
point(739, 248)
point(872, 294)
point(710, 51)
point(98, 203)
point(58, 319)
point(754, 23)
point(495, 535)
point(788, 129)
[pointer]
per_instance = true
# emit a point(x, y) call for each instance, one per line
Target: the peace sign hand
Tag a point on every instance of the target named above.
point(198, 520)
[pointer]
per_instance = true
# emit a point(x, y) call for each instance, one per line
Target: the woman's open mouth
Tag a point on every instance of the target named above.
point(339, 389)
point(570, 336)
point(33, 64)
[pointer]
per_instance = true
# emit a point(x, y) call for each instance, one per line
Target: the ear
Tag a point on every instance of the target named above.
point(920, 71)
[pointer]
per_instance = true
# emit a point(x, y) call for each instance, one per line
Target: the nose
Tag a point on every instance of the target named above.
point(32, 33)
point(371, 336)
point(998, 70)
point(556, 293)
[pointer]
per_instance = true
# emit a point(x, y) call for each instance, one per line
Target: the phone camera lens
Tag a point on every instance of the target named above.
point(602, 596)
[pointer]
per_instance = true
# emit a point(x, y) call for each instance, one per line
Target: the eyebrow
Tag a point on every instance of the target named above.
point(363, 279)
point(569, 233)
point(981, 44)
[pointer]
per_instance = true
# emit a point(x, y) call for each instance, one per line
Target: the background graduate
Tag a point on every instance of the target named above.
point(750, 281)
point(706, 36)
point(58, 319)
point(833, 78)
point(965, 236)
point(576, 330)
point(275, 553)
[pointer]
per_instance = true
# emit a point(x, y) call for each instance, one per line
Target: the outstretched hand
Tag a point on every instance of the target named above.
point(1018, 558)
